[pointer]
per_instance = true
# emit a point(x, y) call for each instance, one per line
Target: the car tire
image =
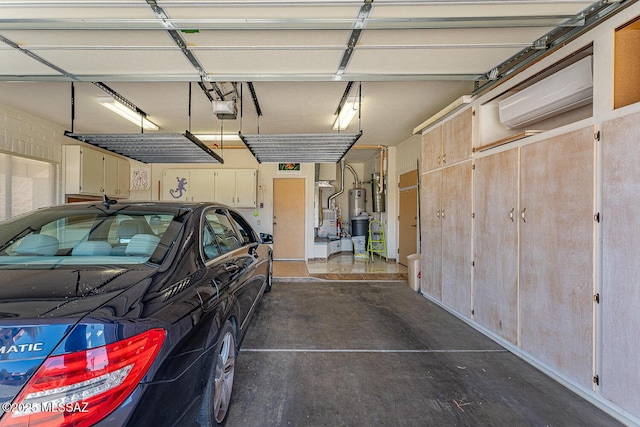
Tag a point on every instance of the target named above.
point(217, 395)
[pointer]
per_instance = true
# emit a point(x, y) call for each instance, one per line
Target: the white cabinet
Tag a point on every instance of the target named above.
point(116, 176)
point(92, 172)
point(232, 187)
point(236, 187)
point(196, 185)
point(448, 143)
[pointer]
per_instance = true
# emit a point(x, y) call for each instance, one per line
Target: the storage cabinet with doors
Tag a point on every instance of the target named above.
point(192, 185)
point(620, 291)
point(116, 176)
point(457, 136)
point(556, 253)
point(431, 234)
point(432, 149)
point(546, 308)
point(446, 236)
point(495, 243)
point(449, 143)
point(92, 172)
point(456, 237)
point(236, 187)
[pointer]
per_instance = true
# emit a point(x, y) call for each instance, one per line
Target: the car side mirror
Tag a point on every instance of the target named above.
point(266, 238)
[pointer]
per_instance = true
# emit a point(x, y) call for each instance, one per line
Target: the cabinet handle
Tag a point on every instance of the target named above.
point(442, 214)
point(438, 214)
point(523, 215)
point(444, 159)
point(511, 214)
point(438, 160)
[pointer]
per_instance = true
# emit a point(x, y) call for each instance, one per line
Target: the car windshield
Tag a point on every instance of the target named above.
point(88, 235)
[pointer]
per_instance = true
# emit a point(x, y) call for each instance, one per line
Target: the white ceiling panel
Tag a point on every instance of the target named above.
point(96, 38)
point(283, 38)
point(127, 62)
point(77, 10)
point(270, 61)
point(466, 36)
point(421, 61)
point(301, 11)
point(16, 63)
point(459, 9)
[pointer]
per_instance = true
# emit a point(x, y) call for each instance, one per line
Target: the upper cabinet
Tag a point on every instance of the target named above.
point(236, 187)
point(432, 149)
point(457, 138)
point(93, 172)
point(232, 187)
point(448, 143)
point(188, 185)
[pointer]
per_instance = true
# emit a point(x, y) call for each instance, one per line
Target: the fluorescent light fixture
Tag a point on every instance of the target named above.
point(127, 113)
point(216, 137)
point(347, 113)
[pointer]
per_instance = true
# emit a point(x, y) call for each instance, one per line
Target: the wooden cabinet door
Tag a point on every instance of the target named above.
point(457, 137)
point(620, 262)
point(246, 189)
point(225, 183)
point(92, 172)
point(495, 252)
point(431, 231)
point(556, 253)
point(456, 237)
point(432, 149)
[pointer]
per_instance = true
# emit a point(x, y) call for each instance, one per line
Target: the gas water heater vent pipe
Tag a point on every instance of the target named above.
point(343, 165)
point(355, 176)
point(334, 195)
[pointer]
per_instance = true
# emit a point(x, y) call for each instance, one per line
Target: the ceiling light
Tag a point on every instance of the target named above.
point(127, 113)
point(217, 137)
point(347, 113)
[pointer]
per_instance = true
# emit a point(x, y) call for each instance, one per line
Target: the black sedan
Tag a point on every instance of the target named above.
point(125, 314)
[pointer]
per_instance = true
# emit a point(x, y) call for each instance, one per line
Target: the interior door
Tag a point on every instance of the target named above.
point(408, 216)
point(288, 218)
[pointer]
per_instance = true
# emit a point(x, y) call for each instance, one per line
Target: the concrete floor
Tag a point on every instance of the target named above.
point(322, 353)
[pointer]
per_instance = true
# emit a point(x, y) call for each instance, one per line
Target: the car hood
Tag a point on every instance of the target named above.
point(39, 309)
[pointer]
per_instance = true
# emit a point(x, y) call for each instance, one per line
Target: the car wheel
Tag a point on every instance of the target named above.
point(269, 278)
point(217, 396)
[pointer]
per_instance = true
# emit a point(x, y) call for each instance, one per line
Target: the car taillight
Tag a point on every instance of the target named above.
point(80, 389)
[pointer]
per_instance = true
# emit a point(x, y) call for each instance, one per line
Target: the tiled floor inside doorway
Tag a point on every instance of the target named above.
point(340, 267)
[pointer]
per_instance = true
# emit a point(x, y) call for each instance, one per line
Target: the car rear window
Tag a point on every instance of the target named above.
point(88, 237)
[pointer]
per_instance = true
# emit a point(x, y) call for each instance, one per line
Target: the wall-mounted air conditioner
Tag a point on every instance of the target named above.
point(569, 88)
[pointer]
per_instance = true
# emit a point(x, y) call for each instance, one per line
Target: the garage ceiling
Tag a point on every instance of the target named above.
point(413, 58)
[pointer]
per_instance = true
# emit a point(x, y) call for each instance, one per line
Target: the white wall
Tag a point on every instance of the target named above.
point(28, 136)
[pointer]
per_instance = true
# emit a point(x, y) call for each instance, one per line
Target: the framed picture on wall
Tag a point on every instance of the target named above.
point(288, 166)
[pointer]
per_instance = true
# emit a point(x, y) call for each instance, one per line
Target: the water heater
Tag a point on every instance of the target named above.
point(357, 200)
